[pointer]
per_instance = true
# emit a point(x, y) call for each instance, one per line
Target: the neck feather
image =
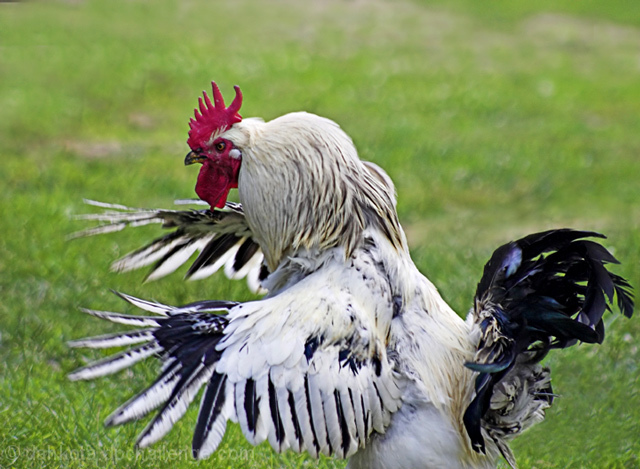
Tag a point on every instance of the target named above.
point(303, 187)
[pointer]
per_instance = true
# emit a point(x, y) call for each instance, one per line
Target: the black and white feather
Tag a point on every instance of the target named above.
point(221, 238)
point(305, 371)
point(547, 290)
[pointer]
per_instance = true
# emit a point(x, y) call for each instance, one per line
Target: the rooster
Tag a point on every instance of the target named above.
point(352, 353)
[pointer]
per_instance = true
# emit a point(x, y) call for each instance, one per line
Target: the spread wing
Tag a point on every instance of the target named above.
point(306, 369)
point(221, 238)
point(545, 291)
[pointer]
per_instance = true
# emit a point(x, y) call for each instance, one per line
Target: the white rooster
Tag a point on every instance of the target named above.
point(352, 353)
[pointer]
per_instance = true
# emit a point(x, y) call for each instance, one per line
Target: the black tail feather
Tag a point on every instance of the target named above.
point(547, 290)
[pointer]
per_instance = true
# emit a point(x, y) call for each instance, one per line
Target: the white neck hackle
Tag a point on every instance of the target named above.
point(303, 187)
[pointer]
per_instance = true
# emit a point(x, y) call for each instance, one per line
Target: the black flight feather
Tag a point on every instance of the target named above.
point(210, 408)
point(245, 252)
point(215, 249)
point(251, 404)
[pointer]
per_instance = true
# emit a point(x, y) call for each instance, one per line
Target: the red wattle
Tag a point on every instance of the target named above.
point(213, 185)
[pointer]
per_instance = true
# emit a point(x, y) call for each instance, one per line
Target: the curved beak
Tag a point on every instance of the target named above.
point(193, 157)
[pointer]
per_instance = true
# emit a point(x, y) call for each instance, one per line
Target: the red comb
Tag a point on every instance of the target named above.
point(213, 119)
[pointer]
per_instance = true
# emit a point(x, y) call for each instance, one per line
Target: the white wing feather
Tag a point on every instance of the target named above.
point(305, 369)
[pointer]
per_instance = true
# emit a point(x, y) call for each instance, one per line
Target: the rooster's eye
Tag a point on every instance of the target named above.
point(220, 146)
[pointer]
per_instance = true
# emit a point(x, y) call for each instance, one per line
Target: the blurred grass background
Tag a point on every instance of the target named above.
point(495, 119)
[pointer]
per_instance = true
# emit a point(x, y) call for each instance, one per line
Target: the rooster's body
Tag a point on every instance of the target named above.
point(352, 353)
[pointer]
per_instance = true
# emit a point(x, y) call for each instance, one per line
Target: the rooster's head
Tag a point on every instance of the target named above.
point(219, 157)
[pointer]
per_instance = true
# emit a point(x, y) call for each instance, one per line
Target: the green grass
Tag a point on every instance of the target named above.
point(495, 119)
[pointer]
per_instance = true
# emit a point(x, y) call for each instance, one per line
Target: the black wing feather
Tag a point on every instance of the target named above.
point(213, 251)
point(211, 406)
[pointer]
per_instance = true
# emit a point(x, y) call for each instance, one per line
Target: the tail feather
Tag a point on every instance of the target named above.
point(545, 291)
point(623, 295)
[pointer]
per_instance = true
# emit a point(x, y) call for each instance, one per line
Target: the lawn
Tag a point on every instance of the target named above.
point(495, 119)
